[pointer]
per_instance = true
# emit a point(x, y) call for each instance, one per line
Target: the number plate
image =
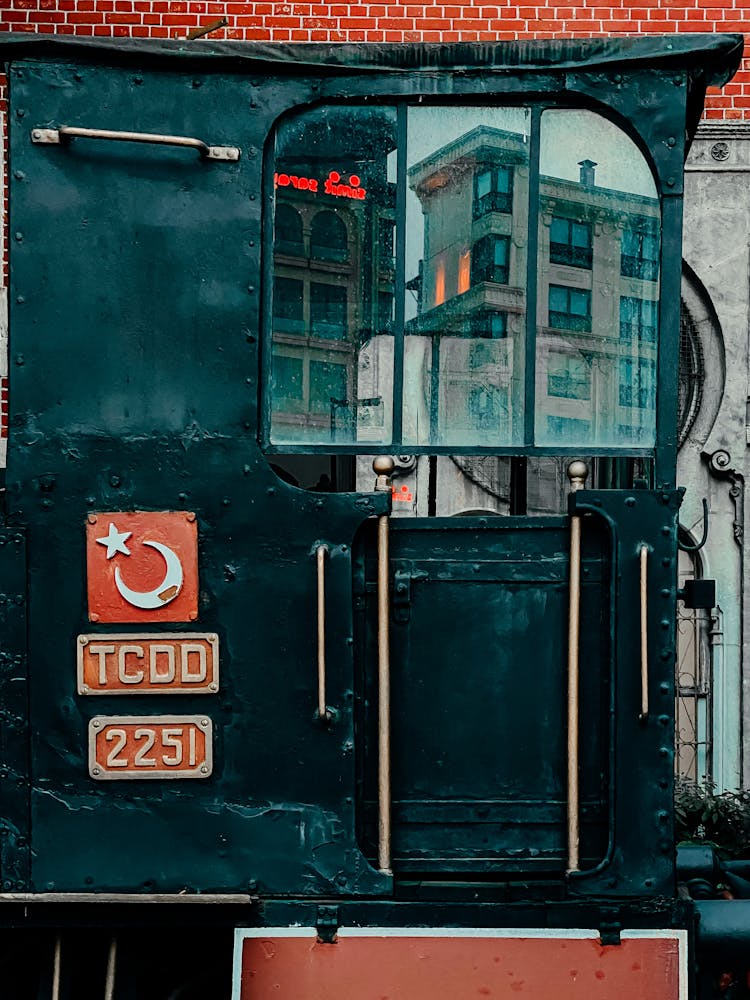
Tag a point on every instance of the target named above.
point(150, 746)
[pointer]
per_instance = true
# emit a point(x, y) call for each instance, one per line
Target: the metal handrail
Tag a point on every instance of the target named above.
point(59, 136)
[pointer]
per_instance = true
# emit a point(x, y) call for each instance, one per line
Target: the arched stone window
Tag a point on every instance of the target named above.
point(288, 231)
point(328, 238)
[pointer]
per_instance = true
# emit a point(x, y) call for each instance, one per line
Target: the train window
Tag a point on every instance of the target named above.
point(332, 289)
point(597, 286)
point(466, 222)
point(407, 311)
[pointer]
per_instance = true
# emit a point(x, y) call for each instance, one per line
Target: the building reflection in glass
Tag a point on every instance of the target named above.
point(333, 277)
point(467, 381)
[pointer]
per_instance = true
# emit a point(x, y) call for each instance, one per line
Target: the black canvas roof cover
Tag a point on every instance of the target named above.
point(709, 60)
point(716, 57)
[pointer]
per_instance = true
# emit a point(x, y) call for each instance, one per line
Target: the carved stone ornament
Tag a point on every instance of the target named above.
point(720, 464)
point(720, 151)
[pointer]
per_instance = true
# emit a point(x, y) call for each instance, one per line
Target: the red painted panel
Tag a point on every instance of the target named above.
point(461, 968)
point(142, 566)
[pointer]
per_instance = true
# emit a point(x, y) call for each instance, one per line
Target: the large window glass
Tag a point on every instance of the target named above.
point(406, 310)
point(333, 292)
point(465, 306)
point(597, 287)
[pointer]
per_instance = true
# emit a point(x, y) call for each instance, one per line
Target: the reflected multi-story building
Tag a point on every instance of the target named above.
point(484, 236)
point(596, 269)
point(333, 275)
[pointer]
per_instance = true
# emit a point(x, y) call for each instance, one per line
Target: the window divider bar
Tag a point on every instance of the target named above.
point(532, 270)
point(400, 278)
point(267, 277)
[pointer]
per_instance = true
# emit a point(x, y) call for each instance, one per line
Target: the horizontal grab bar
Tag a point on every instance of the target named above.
point(57, 136)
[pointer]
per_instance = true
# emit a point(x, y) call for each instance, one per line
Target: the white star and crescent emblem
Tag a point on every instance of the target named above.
point(148, 600)
point(115, 541)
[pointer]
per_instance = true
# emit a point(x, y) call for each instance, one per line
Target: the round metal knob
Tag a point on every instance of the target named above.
point(577, 472)
point(383, 465)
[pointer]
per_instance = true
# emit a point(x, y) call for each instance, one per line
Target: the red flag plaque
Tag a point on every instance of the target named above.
point(142, 566)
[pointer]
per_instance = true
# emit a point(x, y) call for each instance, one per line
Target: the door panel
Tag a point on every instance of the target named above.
point(478, 692)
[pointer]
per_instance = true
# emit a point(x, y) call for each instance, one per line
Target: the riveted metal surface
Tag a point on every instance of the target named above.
point(640, 858)
point(138, 392)
point(136, 293)
point(478, 656)
point(14, 713)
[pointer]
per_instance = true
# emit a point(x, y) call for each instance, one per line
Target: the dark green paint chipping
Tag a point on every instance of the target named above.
point(137, 285)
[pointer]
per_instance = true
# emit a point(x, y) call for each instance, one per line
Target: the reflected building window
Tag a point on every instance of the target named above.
point(640, 251)
point(486, 407)
point(287, 382)
point(490, 260)
point(570, 243)
point(563, 430)
point(328, 238)
point(568, 376)
point(638, 383)
point(638, 319)
point(385, 249)
point(328, 388)
point(386, 305)
point(489, 325)
point(569, 308)
point(288, 305)
point(493, 190)
point(328, 310)
point(288, 239)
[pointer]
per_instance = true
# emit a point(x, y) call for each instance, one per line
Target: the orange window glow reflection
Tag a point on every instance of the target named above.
point(464, 271)
point(440, 283)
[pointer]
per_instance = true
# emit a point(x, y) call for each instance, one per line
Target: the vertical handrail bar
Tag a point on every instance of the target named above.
point(321, 554)
point(383, 466)
point(56, 964)
point(109, 985)
point(643, 556)
point(577, 473)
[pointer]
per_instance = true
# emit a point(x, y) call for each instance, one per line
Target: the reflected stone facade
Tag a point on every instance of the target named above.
point(597, 300)
point(471, 369)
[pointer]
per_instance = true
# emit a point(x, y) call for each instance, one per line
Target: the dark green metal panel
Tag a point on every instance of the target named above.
point(479, 647)
point(134, 286)
point(640, 857)
point(136, 281)
point(14, 711)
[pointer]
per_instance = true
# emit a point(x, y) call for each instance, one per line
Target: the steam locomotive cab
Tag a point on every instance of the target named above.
point(277, 316)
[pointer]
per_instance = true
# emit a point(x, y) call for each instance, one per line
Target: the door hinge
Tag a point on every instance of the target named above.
point(401, 599)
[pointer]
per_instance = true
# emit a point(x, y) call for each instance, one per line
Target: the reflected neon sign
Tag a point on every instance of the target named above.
point(332, 185)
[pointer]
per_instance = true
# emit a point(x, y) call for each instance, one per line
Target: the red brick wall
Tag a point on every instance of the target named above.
point(430, 22)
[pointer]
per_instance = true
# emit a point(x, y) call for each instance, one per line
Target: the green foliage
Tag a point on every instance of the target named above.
point(722, 819)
